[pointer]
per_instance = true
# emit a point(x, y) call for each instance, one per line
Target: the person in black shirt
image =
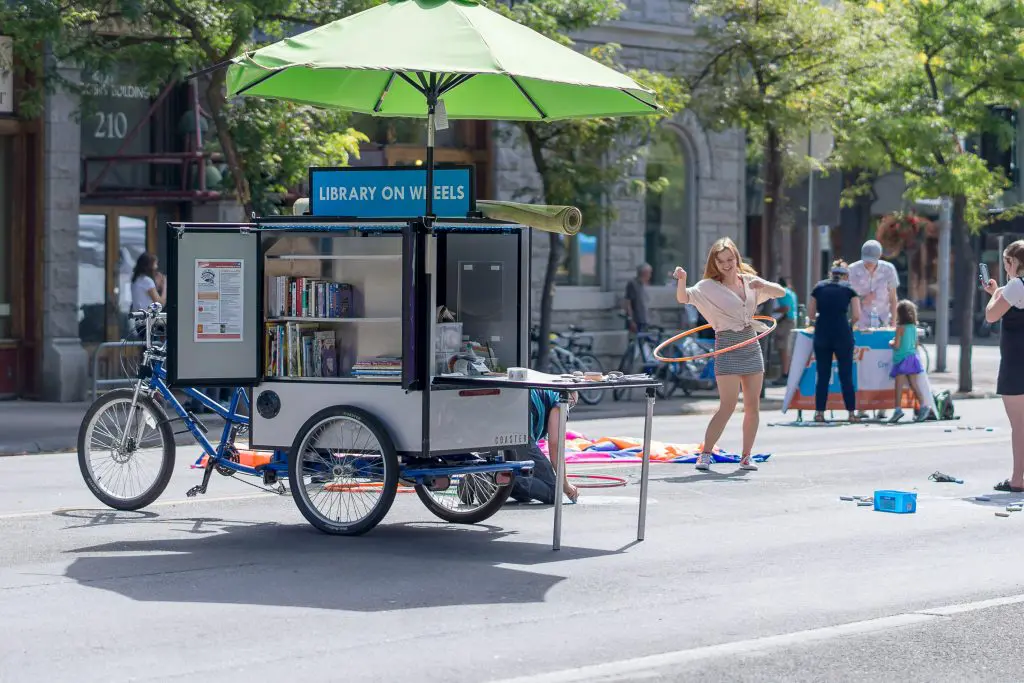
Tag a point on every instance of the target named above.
point(634, 304)
point(831, 301)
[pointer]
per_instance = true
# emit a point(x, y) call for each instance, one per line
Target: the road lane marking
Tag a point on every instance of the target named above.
point(630, 669)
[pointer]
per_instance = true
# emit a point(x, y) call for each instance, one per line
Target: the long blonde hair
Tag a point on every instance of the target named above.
point(711, 271)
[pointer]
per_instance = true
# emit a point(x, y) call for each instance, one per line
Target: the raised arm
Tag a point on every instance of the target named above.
point(682, 296)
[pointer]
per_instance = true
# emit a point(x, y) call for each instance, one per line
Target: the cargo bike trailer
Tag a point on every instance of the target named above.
point(356, 388)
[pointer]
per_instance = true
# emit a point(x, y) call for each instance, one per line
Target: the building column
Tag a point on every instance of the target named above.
point(64, 362)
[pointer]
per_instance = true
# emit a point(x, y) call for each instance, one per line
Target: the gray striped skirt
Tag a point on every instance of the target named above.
point(744, 361)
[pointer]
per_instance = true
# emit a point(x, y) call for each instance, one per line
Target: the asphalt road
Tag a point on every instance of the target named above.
point(744, 576)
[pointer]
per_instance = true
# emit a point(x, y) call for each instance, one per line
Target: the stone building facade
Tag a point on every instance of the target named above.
point(655, 35)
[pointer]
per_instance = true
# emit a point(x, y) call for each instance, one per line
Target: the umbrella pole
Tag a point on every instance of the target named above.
point(431, 129)
point(426, 282)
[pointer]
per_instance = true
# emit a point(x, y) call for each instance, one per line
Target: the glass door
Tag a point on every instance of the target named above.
point(110, 240)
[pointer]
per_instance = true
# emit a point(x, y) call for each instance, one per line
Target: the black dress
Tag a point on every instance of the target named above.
point(1011, 354)
point(833, 336)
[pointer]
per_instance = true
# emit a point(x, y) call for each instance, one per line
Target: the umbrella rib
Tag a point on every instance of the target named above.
point(654, 107)
point(411, 82)
point(527, 96)
point(456, 82)
point(384, 92)
point(258, 81)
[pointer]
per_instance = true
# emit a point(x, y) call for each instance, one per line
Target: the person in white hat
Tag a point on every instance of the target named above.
point(876, 282)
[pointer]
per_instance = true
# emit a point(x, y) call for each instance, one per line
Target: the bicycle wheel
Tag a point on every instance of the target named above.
point(627, 366)
point(588, 362)
point(343, 471)
point(469, 499)
point(126, 459)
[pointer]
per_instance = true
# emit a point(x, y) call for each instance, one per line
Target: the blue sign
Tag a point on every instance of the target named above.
point(389, 192)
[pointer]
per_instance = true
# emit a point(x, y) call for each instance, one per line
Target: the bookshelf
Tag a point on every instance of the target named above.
point(333, 308)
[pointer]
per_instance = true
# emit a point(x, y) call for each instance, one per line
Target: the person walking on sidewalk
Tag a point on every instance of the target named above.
point(1007, 305)
point(634, 304)
point(727, 298)
point(905, 363)
point(876, 282)
point(786, 315)
point(831, 301)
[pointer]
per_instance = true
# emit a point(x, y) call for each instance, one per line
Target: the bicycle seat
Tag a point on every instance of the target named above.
point(575, 329)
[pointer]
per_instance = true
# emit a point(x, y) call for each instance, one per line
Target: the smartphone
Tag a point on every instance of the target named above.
point(983, 277)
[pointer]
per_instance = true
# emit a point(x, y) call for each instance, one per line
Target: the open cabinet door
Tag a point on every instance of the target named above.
point(213, 305)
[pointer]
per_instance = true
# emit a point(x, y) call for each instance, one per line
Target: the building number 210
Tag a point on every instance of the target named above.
point(111, 124)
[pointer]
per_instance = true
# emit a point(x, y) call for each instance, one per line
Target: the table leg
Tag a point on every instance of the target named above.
point(558, 454)
point(645, 467)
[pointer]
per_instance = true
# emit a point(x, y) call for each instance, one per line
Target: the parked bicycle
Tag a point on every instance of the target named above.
point(570, 352)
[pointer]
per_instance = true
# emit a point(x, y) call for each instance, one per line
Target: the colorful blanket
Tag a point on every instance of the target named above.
point(617, 449)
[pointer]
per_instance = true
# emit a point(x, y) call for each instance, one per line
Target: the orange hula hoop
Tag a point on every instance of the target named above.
point(716, 352)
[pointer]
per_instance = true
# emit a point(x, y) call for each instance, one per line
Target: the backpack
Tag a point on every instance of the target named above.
point(944, 405)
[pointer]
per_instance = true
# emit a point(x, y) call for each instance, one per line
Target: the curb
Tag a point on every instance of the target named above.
point(622, 410)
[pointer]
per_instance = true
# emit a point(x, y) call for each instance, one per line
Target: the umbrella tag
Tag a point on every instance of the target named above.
point(440, 116)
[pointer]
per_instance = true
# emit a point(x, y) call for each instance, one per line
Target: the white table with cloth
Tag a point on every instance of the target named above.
point(872, 361)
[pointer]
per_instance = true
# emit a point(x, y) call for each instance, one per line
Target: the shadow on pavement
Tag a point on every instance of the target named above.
point(393, 567)
point(734, 476)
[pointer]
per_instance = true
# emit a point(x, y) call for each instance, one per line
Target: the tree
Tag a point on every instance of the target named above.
point(266, 145)
point(777, 69)
point(949, 61)
point(581, 163)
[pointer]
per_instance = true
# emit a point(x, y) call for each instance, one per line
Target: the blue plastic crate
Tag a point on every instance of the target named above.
point(899, 502)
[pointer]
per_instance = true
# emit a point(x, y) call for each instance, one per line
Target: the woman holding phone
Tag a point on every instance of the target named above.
point(1007, 305)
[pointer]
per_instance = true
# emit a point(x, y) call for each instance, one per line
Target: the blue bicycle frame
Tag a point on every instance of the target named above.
point(230, 415)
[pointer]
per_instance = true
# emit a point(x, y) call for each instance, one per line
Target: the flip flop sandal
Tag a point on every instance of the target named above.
point(1005, 486)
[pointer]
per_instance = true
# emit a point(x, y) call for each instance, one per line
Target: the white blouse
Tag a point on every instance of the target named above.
point(1013, 292)
point(724, 309)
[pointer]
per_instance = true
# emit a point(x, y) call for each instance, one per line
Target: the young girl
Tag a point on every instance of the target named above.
point(906, 366)
point(727, 297)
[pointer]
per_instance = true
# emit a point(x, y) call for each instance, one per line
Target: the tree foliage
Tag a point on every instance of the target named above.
point(947, 63)
point(264, 144)
point(778, 69)
point(586, 162)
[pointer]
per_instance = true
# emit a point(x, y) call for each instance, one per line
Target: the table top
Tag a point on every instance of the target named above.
point(542, 380)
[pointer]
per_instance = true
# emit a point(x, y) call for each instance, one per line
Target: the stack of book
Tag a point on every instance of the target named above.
point(303, 297)
point(300, 350)
point(380, 366)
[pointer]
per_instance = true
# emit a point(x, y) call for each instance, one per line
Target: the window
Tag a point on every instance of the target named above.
point(668, 235)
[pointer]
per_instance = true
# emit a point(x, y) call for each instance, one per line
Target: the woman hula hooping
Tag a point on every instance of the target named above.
point(728, 297)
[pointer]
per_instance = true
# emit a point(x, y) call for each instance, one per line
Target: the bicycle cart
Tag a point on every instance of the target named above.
point(375, 351)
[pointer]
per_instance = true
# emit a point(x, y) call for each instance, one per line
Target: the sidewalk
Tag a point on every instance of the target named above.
point(35, 427)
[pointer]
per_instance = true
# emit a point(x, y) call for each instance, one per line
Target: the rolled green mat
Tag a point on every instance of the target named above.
point(564, 220)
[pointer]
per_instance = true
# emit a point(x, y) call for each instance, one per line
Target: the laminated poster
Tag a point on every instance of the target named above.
point(218, 306)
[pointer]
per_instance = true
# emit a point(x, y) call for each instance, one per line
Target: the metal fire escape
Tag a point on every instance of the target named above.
point(191, 162)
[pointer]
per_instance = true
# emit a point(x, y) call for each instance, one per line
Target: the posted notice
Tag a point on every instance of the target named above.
point(218, 306)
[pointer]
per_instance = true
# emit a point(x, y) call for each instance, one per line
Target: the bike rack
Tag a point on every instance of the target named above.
point(119, 382)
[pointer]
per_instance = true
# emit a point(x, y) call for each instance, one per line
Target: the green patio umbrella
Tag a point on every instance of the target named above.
point(438, 59)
